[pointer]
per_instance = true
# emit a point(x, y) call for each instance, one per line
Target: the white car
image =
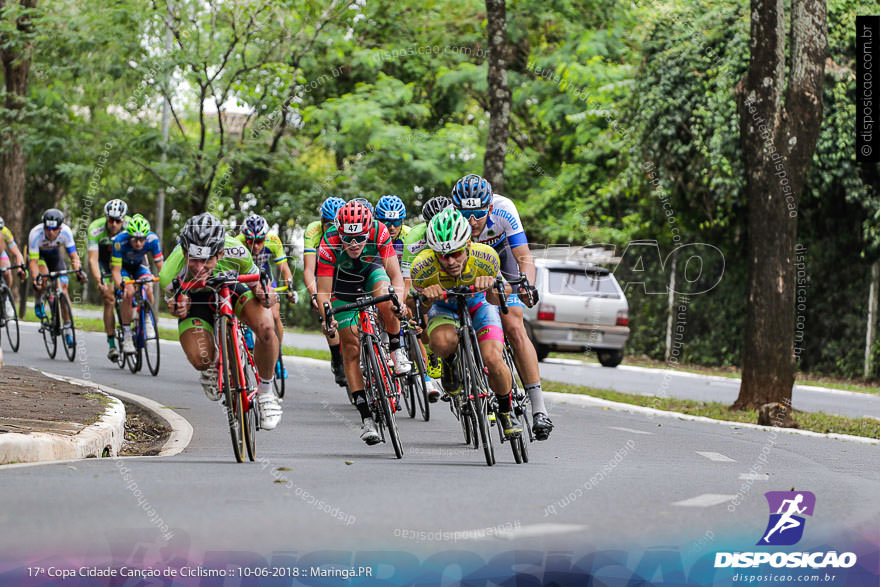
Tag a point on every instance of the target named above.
point(581, 308)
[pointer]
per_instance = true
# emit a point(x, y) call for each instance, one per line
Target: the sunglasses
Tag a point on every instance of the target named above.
point(137, 239)
point(114, 220)
point(394, 223)
point(477, 214)
point(252, 241)
point(452, 255)
point(361, 238)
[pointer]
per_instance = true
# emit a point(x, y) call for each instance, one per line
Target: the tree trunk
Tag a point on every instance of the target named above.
point(15, 54)
point(499, 96)
point(780, 116)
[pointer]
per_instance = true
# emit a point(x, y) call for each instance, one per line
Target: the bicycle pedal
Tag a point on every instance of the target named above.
point(492, 417)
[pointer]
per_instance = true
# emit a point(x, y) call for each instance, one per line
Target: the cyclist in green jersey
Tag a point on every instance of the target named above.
point(101, 233)
point(312, 239)
point(205, 250)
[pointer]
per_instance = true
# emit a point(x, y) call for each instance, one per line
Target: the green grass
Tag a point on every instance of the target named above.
point(97, 325)
point(310, 353)
point(813, 421)
point(730, 372)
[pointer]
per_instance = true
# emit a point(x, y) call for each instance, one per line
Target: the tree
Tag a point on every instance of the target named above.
point(16, 48)
point(499, 95)
point(780, 115)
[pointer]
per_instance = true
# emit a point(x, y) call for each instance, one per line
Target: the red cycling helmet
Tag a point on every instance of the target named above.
point(353, 219)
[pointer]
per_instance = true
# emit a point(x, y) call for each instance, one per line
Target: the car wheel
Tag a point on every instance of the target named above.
point(610, 358)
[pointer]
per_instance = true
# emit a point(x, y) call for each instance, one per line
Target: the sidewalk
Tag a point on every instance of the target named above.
point(44, 419)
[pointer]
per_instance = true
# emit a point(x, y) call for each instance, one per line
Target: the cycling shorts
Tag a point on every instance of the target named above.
point(486, 317)
point(135, 272)
point(202, 311)
point(52, 261)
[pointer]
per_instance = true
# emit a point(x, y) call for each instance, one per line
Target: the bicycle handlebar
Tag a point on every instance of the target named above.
point(361, 304)
point(218, 280)
point(502, 294)
point(11, 267)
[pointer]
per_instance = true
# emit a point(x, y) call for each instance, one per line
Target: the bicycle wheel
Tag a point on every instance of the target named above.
point(69, 347)
point(385, 388)
point(409, 395)
point(230, 387)
point(479, 389)
point(517, 395)
point(278, 382)
point(421, 389)
point(151, 343)
point(50, 326)
point(10, 315)
point(252, 414)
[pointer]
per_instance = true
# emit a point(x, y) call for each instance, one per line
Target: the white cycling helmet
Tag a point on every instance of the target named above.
point(115, 209)
point(448, 231)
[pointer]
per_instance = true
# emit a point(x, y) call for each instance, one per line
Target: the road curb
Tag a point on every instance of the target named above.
point(103, 438)
point(181, 429)
point(590, 401)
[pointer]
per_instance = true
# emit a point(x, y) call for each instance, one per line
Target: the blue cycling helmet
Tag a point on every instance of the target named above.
point(255, 227)
point(330, 207)
point(471, 192)
point(365, 202)
point(390, 208)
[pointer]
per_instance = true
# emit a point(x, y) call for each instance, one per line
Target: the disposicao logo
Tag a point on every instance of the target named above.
point(786, 528)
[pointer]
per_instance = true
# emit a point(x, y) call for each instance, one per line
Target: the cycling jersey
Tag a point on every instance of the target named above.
point(100, 239)
point(312, 237)
point(235, 258)
point(426, 269)
point(352, 277)
point(7, 237)
point(503, 232)
point(272, 251)
point(40, 246)
point(398, 242)
point(414, 243)
point(125, 255)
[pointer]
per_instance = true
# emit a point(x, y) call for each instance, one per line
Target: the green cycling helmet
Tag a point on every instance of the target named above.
point(448, 231)
point(138, 226)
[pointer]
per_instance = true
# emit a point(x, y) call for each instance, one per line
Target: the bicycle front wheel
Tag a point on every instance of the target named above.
point(386, 388)
point(11, 317)
point(69, 345)
point(278, 382)
point(479, 389)
point(420, 387)
point(150, 336)
point(231, 386)
point(50, 325)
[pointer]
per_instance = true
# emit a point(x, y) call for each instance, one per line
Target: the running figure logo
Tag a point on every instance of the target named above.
point(786, 526)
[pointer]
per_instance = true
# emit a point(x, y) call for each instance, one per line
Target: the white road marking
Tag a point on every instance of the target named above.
point(716, 456)
point(705, 500)
point(632, 430)
point(754, 476)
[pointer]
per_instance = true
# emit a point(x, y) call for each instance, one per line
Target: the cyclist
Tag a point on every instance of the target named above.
point(44, 256)
point(130, 249)
point(494, 221)
point(205, 250)
point(453, 260)
point(355, 257)
point(101, 233)
point(267, 249)
point(311, 240)
point(7, 242)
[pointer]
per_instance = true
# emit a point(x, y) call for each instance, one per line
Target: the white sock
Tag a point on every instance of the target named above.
point(126, 330)
point(536, 396)
point(266, 386)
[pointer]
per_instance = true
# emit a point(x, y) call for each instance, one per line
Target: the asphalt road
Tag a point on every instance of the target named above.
point(605, 480)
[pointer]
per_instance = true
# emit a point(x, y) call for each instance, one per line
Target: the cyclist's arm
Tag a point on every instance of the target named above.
point(117, 274)
point(324, 287)
point(524, 259)
point(19, 258)
point(75, 260)
point(310, 262)
point(94, 266)
point(159, 262)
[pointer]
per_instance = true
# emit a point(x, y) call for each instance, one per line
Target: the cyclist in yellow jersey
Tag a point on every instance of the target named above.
point(7, 242)
point(453, 260)
point(311, 240)
point(266, 250)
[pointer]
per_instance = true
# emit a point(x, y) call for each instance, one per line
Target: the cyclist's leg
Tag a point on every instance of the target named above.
point(378, 284)
point(125, 310)
point(524, 355)
point(487, 322)
point(443, 341)
point(347, 341)
point(259, 320)
point(108, 298)
point(39, 289)
point(5, 262)
point(196, 334)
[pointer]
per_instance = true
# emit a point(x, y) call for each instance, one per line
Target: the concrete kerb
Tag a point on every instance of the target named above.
point(589, 401)
point(181, 430)
point(103, 438)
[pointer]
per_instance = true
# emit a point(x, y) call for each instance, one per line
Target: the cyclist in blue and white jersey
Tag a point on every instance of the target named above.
point(495, 221)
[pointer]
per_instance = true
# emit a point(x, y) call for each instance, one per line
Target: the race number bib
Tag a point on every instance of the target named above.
point(470, 203)
point(353, 228)
point(199, 252)
point(392, 214)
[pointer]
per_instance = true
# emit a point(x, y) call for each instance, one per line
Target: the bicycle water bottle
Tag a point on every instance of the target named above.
point(249, 339)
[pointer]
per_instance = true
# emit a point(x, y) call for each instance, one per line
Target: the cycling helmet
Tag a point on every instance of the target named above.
point(330, 207)
point(138, 226)
point(448, 231)
point(433, 206)
point(203, 236)
point(115, 209)
point(255, 226)
point(365, 202)
point(390, 208)
point(2, 223)
point(53, 218)
point(354, 219)
point(471, 192)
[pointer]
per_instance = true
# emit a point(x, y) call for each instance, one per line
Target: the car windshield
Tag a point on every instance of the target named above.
point(577, 282)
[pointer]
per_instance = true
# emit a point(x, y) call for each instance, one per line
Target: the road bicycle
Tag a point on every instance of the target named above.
point(280, 377)
point(415, 390)
point(471, 405)
point(381, 387)
point(144, 327)
point(55, 305)
point(8, 313)
point(239, 380)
